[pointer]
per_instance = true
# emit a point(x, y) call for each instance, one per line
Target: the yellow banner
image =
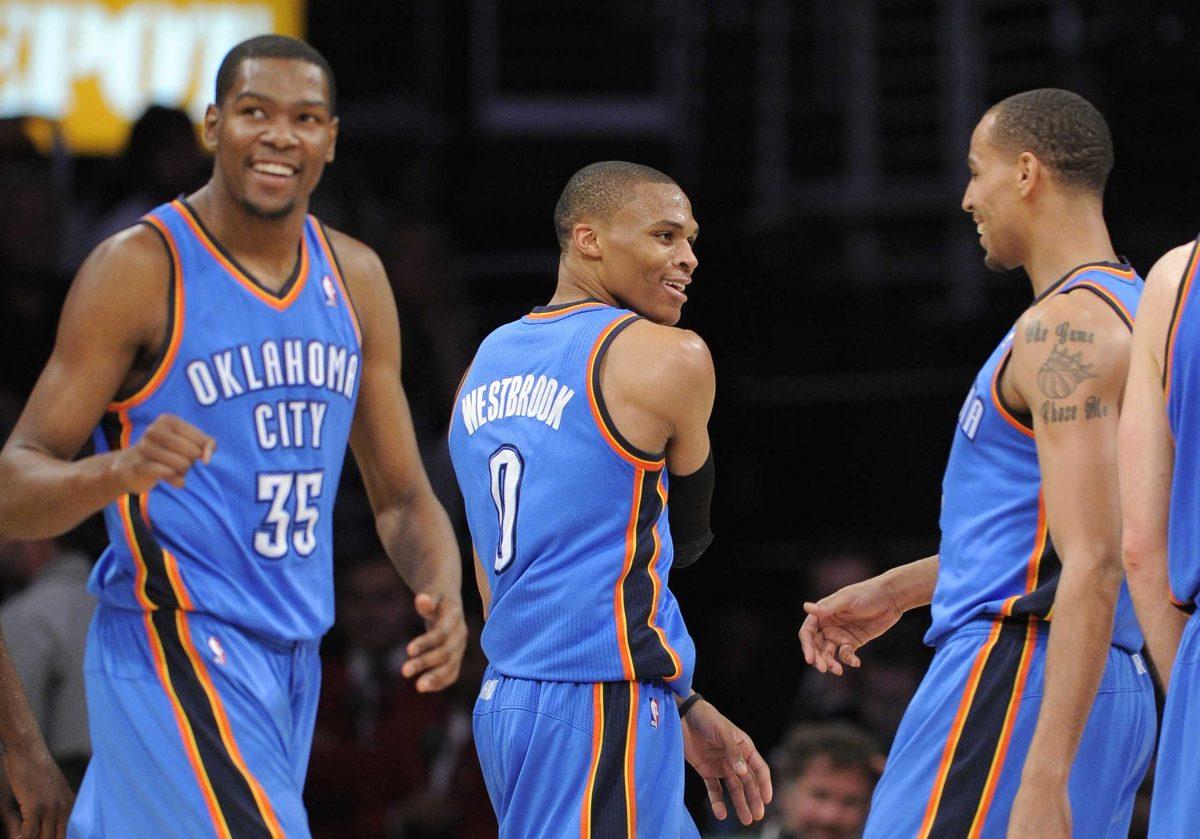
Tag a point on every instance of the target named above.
point(94, 66)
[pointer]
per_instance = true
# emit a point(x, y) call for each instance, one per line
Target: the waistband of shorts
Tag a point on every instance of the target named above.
point(109, 611)
point(1014, 627)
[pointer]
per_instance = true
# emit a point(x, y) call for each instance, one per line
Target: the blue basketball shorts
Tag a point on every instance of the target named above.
point(198, 728)
point(600, 760)
point(1175, 808)
point(955, 765)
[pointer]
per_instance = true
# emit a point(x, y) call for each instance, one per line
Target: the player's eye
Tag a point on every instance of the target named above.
point(665, 235)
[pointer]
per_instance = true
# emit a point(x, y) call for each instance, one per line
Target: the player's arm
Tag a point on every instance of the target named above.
point(1147, 454)
point(659, 384)
point(837, 625)
point(115, 310)
point(1073, 384)
point(413, 527)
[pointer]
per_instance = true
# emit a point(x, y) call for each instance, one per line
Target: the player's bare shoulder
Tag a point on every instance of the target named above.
point(124, 285)
point(1165, 279)
point(655, 364)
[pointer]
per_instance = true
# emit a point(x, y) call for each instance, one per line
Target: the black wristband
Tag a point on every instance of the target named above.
point(687, 704)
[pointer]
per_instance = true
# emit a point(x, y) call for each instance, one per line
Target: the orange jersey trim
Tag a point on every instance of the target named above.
point(605, 431)
point(619, 589)
point(1003, 411)
point(1010, 719)
point(585, 820)
point(1107, 295)
point(174, 339)
point(656, 584)
point(337, 275)
point(1176, 316)
point(231, 746)
point(630, 760)
point(277, 303)
point(956, 729)
point(1039, 546)
point(141, 572)
point(565, 310)
point(186, 733)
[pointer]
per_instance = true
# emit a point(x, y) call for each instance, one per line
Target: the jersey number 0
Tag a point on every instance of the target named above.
point(506, 467)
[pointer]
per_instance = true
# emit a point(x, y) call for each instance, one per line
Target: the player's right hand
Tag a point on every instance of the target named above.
point(165, 452)
point(42, 794)
point(839, 624)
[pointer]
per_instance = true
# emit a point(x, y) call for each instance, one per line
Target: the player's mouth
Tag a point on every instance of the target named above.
point(678, 286)
point(274, 170)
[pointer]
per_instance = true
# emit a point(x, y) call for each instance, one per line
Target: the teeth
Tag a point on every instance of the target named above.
point(979, 229)
point(274, 169)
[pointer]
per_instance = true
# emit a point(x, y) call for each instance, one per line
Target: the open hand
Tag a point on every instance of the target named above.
point(436, 656)
point(724, 754)
point(839, 624)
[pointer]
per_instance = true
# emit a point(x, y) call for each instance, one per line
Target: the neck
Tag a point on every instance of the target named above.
point(247, 234)
point(1074, 235)
point(578, 280)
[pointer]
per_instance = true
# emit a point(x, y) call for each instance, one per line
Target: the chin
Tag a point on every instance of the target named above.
point(265, 212)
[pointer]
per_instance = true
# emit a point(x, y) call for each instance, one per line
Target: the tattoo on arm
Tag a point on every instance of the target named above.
point(1063, 372)
point(1035, 333)
point(1066, 333)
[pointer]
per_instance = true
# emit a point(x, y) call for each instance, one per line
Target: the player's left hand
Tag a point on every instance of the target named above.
point(1041, 809)
point(723, 753)
point(436, 656)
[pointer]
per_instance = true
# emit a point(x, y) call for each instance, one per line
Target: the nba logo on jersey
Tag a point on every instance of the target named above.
point(971, 413)
point(330, 291)
point(218, 652)
point(653, 712)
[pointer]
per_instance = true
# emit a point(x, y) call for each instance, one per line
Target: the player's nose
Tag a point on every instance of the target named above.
point(687, 259)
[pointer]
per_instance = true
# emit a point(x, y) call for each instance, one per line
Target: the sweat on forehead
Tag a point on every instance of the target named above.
point(598, 191)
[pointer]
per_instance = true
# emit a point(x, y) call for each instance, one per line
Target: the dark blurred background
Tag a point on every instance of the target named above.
point(840, 286)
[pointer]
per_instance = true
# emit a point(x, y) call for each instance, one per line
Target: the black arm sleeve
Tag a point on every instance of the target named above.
point(690, 502)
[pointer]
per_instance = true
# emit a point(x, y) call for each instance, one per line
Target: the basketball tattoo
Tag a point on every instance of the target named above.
point(1062, 373)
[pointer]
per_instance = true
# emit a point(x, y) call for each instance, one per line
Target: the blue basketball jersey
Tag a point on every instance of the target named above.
point(567, 518)
point(1181, 377)
point(996, 555)
point(273, 378)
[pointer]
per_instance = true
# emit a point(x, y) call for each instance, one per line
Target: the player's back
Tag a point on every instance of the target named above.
point(997, 555)
point(568, 520)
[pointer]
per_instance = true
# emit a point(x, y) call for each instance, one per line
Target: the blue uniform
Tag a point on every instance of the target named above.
point(956, 762)
point(576, 725)
point(1175, 809)
point(201, 667)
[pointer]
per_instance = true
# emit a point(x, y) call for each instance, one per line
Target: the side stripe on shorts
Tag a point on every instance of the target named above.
point(977, 746)
point(610, 797)
point(236, 801)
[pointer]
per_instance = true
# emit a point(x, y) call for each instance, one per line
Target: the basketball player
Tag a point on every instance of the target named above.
point(225, 349)
point(570, 428)
point(1037, 714)
point(1158, 501)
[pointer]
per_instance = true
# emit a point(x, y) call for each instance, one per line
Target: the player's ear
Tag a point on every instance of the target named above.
point(1029, 172)
point(209, 132)
point(585, 239)
point(333, 135)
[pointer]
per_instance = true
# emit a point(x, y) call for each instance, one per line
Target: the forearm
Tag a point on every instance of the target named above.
point(1076, 655)
point(42, 496)
point(416, 533)
point(912, 585)
point(18, 727)
point(1162, 623)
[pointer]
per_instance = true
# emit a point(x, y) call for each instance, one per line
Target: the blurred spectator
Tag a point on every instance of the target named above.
point(162, 160)
point(45, 627)
point(823, 776)
point(386, 760)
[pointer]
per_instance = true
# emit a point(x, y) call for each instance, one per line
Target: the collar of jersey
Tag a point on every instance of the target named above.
point(560, 310)
point(1121, 269)
point(279, 300)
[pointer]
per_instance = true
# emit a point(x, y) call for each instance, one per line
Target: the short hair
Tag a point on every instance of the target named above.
point(846, 746)
point(1062, 129)
point(272, 46)
point(599, 190)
